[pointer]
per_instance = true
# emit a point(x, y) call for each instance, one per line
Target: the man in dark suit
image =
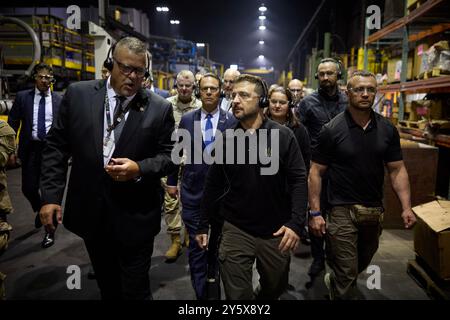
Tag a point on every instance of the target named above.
point(35, 109)
point(207, 121)
point(119, 137)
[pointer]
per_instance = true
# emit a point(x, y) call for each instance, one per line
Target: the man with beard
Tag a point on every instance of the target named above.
point(314, 112)
point(263, 213)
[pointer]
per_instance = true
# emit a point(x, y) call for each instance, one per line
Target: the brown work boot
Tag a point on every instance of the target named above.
point(175, 249)
point(186, 238)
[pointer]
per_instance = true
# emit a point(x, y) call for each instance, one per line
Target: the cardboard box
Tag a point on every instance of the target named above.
point(394, 68)
point(421, 162)
point(420, 60)
point(432, 236)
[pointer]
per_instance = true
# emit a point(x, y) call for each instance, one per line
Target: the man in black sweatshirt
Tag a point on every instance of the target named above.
point(263, 203)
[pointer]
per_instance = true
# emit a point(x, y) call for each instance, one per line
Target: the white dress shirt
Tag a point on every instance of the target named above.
point(112, 107)
point(48, 112)
point(215, 120)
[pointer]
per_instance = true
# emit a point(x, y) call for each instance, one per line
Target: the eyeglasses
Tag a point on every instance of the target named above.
point(242, 95)
point(327, 73)
point(228, 81)
point(44, 77)
point(361, 90)
point(127, 70)
point(282, 102)
point(295, 90)
point(212, 89)
point(187, 86)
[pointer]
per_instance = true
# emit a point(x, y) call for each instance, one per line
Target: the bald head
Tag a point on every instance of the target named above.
point(295, 86)
point(229, 77)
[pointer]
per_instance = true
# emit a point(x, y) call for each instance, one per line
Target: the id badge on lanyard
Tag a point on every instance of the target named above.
point(108, 140)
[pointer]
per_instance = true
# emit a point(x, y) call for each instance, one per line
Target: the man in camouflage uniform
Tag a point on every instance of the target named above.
point(7, 148)
point(182, 103)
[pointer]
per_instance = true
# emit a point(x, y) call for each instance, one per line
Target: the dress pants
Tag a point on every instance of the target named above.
point(31, 172)
point(122, 271)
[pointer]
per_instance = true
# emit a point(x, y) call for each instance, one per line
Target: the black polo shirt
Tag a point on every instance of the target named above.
point(317, 109)
point(355, 158)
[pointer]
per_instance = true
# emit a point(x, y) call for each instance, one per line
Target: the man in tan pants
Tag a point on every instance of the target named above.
point(182, 103)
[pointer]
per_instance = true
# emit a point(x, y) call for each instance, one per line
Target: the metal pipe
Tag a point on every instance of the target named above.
point(34, 39)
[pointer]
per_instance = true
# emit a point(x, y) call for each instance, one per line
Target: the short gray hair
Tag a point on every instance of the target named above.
point(186, 74)
point(133, 44)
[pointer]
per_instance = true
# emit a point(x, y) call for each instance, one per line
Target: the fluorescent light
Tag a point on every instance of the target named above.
point(262, 27)
point(261, 41)
point(262, 17)
point(261, 57)
point(165, 9)
point(174, 21)
point(233, 66)
point(200, 45)
point(262, 8)
point(159, 9)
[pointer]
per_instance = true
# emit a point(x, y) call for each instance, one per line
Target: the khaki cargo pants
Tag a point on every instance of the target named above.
point(351, 241)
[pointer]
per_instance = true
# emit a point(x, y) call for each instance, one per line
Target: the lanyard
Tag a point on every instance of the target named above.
point(119, 116)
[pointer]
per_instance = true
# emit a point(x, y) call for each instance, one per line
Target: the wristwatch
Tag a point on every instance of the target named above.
point(314, 213)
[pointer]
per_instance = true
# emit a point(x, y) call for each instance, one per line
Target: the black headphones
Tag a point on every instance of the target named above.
point(337, 62)
point(212, 75)
point(263, 100)
point(291, 103)
point(109, 61)
point(41, 66)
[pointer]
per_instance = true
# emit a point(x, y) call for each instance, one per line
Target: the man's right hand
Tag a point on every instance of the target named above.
point(317, 226)
point(46, 214)
point(202, 240)
point(172, 191)
point(12, 161)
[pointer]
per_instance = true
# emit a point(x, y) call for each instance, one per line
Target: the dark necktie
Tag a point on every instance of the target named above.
point(41, 118)
point(119, 111)
point(209, 137)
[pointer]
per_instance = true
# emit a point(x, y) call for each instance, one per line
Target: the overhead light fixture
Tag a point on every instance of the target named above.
point(262, 17)
point(262, 27)
point(233, 66)
point(200, 45)
point(174, 21)
point(262, 8)
point(261, 41)
point(162, 9)
point(260, 57)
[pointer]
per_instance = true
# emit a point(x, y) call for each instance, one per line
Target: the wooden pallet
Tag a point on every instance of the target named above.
point(436, 72)
point(413, 124)
point(436, 288)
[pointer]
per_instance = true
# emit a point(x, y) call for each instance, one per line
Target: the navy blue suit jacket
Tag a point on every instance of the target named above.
point(194, 175)
point(22, 111)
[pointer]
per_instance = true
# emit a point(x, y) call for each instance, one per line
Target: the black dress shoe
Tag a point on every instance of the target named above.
point(316, 267)
point(37, 221)
point(91, 274)
point(49, 240)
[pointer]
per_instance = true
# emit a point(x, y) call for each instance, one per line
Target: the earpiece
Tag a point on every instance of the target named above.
point(109, 61)
point(263, 100)
point(337, 62)
point(197, 87)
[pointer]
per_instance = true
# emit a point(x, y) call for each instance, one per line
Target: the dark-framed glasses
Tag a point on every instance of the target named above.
point(361, 90)
point(127, 70)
